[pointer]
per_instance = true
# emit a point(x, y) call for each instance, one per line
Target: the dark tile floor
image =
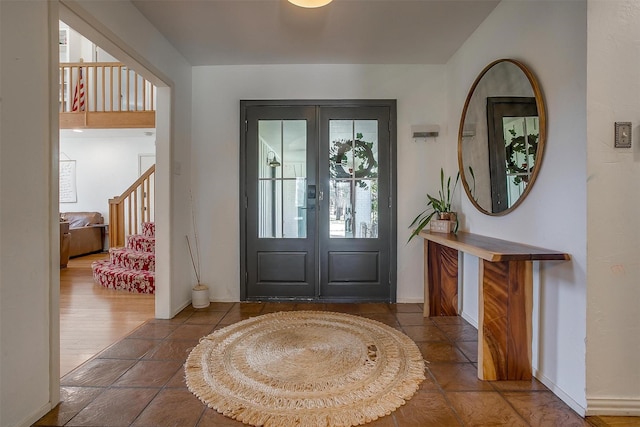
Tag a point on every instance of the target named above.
point(139, 380)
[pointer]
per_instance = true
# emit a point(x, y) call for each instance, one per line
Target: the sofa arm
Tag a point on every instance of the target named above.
point(65, 241)
point(86, 240)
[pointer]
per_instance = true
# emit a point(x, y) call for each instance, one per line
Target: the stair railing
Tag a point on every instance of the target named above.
point(133, 207)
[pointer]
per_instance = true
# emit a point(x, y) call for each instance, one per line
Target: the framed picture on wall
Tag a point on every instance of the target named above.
point(68, 190)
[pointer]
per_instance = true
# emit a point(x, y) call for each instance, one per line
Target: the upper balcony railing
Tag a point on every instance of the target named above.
point(104, 95)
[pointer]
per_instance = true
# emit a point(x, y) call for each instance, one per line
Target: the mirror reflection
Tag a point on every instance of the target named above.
point(501, 137)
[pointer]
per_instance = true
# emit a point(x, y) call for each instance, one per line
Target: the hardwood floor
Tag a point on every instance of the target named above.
point(93, 317)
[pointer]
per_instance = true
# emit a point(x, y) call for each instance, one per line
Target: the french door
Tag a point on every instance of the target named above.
point(318, 200)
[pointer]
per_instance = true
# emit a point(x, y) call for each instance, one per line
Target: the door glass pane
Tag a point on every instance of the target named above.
point(282, 176)
point(269, 196)
point(353, 155)
point(340, 149)
point(366, 218)
point(366, 150)
point(340, 209)
point(294, 198)
point(294, 149)
point(269, 148)
point(521, 144)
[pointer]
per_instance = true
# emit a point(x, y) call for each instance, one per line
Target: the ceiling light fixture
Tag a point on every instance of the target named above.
point(310, 3)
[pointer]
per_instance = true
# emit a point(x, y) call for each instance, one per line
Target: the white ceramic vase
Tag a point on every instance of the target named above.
point(200, 296)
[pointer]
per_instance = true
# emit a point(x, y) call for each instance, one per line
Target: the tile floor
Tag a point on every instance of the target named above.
point(139, 380)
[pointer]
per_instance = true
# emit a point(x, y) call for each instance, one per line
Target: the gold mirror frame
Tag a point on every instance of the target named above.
point(542, 124)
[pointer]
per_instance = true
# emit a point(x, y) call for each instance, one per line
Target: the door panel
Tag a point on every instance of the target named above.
point(353, 267)
point(285, 267)
point(354, 227)
point(280, 221)
point(317, 187)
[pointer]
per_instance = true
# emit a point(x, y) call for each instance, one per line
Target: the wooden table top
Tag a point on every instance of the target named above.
point(492, 249)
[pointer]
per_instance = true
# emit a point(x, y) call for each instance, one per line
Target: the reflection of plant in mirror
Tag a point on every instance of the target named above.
point(436, 205)
point(527, 150)
point(366, 165)
point(473, 189)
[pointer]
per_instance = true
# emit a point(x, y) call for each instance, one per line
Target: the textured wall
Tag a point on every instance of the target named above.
point(552, 42)
point(28, 283)
point(420, 92)
point(613, 328)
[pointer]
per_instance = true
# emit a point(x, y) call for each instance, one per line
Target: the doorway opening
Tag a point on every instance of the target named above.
point(106, 161)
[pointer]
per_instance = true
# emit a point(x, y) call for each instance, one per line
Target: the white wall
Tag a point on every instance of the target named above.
point(28, 242)
point(82, 48)
point(29, 246)
point(106, 165)
point(216, 141)
point(613, 95)
point(551, 40)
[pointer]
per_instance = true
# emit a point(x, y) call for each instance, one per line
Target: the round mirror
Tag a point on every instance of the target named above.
point(501, 137)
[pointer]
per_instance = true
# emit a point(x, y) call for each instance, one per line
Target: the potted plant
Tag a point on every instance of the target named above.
point(200, 292)
point(439, 206)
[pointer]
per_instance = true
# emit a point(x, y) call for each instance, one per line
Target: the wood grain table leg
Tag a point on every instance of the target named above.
point(440, 280)
point(505, 306)
point(427, 294)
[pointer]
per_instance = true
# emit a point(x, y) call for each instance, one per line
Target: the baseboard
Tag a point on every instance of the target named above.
point(613, 407)
point(410, 300)
point(31, 419)
point(181, 307)
point(580, 410)
point(473, 322)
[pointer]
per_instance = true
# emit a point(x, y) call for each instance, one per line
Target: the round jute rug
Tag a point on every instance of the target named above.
point(305, 368)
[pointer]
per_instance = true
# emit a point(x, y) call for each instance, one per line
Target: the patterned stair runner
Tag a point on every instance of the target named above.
point(132, 259)
point(131, 268)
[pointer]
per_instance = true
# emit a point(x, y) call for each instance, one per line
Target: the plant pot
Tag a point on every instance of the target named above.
point(200, 297)
point(444, 223)
point(447, 216)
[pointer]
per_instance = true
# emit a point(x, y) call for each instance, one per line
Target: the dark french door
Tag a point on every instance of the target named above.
point(318, 200)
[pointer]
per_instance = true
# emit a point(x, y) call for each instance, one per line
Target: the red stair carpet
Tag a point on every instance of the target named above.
point(131, 268)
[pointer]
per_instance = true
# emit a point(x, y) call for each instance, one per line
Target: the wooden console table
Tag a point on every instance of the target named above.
point(505, 297)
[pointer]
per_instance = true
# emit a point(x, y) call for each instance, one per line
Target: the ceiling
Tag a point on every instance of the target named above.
point(239, 32)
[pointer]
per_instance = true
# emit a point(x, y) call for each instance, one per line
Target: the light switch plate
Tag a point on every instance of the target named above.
point(623, 135)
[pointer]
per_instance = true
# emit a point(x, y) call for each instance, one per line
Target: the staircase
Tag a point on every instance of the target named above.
point(130, 268)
